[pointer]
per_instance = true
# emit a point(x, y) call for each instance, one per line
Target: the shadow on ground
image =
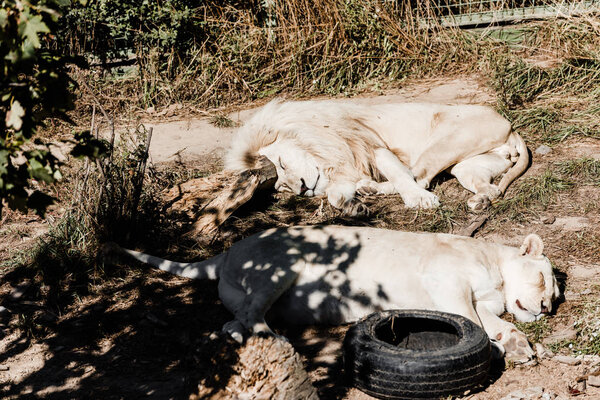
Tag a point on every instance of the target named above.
point(86, 329)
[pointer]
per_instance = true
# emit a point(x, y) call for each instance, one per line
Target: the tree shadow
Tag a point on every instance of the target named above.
point(120, 331)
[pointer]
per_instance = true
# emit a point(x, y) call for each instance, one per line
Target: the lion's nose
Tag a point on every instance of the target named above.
point(303, 187)
point(544, 309)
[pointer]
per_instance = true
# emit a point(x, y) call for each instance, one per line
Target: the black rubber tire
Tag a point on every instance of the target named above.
point(389, 371)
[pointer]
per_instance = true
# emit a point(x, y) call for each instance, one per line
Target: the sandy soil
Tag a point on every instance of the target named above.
point(195, 139)
point(149, 335)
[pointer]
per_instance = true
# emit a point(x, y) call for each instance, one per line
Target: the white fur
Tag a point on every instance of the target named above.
point(334, 275)
point(336, 148)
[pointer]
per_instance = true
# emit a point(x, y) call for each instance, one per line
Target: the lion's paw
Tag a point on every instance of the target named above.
point(355, 208)
point(516, 345)
point(366, 187)
point(479, 202)
point(423, 199)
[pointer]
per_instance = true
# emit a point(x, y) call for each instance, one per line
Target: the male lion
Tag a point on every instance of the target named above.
point(336, 275)
point(337, 149)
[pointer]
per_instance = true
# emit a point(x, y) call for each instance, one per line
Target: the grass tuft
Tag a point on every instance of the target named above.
point(532, 194)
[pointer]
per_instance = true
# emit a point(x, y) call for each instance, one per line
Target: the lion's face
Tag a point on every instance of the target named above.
point(297, 170)
point(531, 286)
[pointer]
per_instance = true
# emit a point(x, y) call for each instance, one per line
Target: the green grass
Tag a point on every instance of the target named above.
point(222, 121)
point(533, 194)
point(535, 331)
point(587, 324)
point(585, 170)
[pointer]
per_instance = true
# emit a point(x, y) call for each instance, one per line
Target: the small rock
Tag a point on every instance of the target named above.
point(593, 380)
point(564, 334)
point(213, 336)
point(534, 392)
point(4, 367)
point(571, 295)
point(572, 224)
point(548, 219)
point(4, 313)
point(543, 150)
point(567, 360)
point(151, 110)
point(19, 290)
point(530, 363)
point(585, 292)
point(581, 272)
point(543, 352)
point(591, 358)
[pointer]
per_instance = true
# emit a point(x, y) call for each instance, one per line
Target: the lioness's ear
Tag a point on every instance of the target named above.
point(532, 246)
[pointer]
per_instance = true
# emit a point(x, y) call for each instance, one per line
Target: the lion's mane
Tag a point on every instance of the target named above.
point(338, 136)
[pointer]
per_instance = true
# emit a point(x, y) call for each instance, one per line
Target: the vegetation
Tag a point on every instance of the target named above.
point(34, 85)
point(545, 76)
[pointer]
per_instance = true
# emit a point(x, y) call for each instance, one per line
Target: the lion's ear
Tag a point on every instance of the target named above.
point(532, 246)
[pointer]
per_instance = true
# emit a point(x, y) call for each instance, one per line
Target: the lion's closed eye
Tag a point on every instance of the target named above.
point(281, 164)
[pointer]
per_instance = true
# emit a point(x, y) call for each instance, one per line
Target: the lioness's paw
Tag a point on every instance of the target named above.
point(422, 199)
point(479, 202)
point(516, 345)
point(235, 330)
point(494, 192)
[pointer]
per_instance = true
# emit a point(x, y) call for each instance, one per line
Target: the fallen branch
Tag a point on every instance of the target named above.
point(474, 224)
point(196, 198)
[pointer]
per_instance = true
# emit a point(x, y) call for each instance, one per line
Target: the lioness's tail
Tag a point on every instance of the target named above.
point(208, 269)
point(520, 166)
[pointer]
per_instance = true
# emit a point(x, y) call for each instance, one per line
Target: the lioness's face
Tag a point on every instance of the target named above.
point(297, 170)
point(530, 295)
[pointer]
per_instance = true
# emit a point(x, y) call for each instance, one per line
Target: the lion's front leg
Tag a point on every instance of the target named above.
point(403, 181)
point(341, 195)
point(515, 342)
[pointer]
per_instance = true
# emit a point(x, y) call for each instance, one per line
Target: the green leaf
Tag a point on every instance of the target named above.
point(14, 115)
point(3, 161)
point(30, 27)
point(42, 175)
point(3, 18)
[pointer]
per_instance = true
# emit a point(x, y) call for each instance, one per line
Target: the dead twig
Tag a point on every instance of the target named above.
point(474, 224)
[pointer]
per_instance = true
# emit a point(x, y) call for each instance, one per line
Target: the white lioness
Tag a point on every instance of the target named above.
point(335, 275)
point(335, 149)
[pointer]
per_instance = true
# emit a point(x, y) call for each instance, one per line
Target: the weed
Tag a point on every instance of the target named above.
point(222, 121)
point(586, 170)
point(533, 194)
point(535, 331)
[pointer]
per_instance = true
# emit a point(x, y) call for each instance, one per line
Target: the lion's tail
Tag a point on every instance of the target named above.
point(520, 166)
point(208, 269)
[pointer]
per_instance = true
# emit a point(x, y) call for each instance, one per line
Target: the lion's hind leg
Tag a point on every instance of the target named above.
point(249, 301)
point(476, 175)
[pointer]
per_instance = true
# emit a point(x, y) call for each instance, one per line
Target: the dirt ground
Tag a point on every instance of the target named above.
point(139, 333)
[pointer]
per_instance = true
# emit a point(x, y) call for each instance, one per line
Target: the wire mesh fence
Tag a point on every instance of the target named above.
point(483, 12)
